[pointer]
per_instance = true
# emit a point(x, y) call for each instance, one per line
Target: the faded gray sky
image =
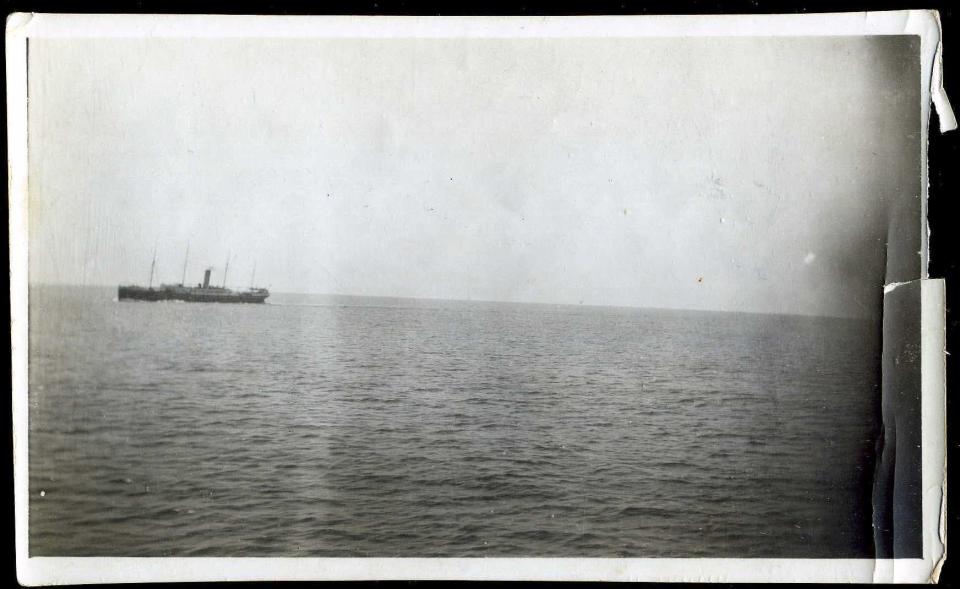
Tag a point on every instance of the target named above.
point(756, 174)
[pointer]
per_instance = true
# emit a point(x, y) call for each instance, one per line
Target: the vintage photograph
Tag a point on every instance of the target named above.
point(578, 297)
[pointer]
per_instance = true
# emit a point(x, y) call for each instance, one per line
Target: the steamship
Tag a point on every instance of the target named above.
point(201, 293)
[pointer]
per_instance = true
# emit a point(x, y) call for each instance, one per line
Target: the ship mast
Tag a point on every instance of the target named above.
point(253, 275)
point(183, 278)
point(153, 266)
point(225, 268)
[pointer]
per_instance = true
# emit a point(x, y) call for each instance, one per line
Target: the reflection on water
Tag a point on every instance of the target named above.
point(384, 427)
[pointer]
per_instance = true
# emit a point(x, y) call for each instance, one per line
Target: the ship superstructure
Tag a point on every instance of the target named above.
point(203, 292)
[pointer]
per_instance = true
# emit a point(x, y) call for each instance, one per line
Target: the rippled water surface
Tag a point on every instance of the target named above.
point(336, 426)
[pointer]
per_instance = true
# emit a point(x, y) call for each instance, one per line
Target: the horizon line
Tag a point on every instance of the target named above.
point(509, 302)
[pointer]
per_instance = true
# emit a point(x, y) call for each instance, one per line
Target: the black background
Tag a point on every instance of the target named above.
point(944, 158)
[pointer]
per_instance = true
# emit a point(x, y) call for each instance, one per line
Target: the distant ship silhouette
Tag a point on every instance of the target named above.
point(201, 293)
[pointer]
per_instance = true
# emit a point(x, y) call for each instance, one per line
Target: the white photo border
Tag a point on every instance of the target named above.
point(56, 570)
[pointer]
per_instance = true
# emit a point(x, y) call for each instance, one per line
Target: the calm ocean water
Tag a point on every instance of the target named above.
point(342, 426)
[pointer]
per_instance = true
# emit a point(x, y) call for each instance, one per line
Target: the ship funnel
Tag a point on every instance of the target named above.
point(206, 278)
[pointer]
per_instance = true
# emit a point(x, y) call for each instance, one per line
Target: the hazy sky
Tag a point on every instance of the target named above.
point(726, 174)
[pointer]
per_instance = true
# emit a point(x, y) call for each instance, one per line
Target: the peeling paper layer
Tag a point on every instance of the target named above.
point(910, 482)
point(897, 517)
point(948, 121)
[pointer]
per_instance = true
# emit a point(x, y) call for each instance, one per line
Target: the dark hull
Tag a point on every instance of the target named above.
point(189, 295)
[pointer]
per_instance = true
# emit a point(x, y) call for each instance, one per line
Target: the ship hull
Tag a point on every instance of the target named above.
point(189, 295)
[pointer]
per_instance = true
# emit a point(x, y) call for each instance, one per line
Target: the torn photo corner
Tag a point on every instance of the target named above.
point(591, 298)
